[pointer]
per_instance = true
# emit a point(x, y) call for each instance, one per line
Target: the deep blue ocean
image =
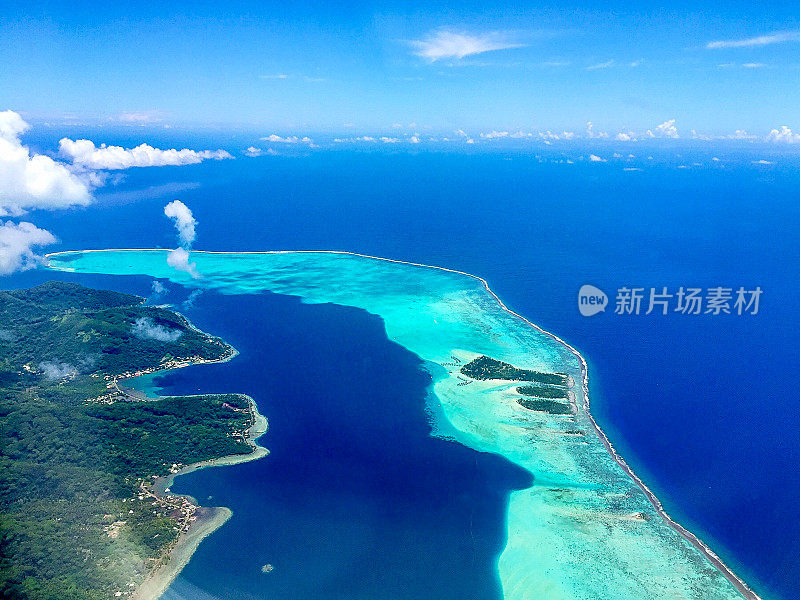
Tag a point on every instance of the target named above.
point(705, 408)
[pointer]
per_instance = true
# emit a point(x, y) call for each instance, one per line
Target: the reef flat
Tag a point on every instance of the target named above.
point(588, 527)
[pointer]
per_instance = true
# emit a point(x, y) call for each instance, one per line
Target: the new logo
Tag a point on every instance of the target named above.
point(591, 300)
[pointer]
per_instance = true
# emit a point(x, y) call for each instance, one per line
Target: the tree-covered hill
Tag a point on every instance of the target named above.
point(76, 516)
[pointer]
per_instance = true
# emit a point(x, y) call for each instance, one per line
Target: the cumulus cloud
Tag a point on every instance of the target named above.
point(84, 153)
point(625, 137)
point(595, 158)
point(389, 140)
point(761, 40)
point(741, 134)
point(55, 371)
point(185, 224)
point(142, 117)
point(413, 139)
point(549, 135)
point(29, 180)
point(666, 130)
point(184, 221)
point(179, 259)
point(145, 328)
point(450, 44)
point(784, 135)
point(291, 139)
point(158, 289)
point(591, 133)
point(16, 246)
point(494, 135)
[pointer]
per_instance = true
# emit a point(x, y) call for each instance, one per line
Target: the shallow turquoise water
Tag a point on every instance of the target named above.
point(577, 532)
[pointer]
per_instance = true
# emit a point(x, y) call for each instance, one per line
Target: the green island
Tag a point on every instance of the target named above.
point(545, 394)
point(485, 367)
point(544, 405)
point(80, 513)
point(543, 391)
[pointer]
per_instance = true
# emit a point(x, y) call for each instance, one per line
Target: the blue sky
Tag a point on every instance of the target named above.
point(316, 66)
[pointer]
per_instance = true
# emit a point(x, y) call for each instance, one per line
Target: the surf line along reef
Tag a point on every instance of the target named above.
point(84, 462)
point(588, 527)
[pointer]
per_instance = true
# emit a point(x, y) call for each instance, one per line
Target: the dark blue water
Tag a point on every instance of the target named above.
point(704, 407)
point(356, 499)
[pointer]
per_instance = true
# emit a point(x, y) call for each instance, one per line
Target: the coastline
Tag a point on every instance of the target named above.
point(208, 520)
point(687, 535)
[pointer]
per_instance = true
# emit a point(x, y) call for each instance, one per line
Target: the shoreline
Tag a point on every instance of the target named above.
point(687, 535)
point(210, 518)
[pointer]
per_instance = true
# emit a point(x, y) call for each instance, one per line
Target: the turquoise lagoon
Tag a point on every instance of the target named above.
point(584, 529)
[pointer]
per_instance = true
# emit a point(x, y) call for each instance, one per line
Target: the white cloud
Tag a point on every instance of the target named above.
point(142, 117)
point(548, 135)
point(290, 139)
point(449, 44)
point(666, 130)
point(30, 181)
point(16, 246)
point(753, 65)
point(595, 158)
point(253, 151)
point(625, 137)
point(363, 138)
point(762, 40)
point(85, 154)
point(55, 371)
point(520, 134)
point(637, 63)
point(184, 221)
point(700, 136)
point(494, 134)
point(591, 133)
point(185, 224)
point(190, 300)
point(761, 162)
point(603, 65)
point(413, 139)
point(158, 289)
point(146, 329)
point(389, 140)
point(741, 134)
point(784, 135)
point(179, 259)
